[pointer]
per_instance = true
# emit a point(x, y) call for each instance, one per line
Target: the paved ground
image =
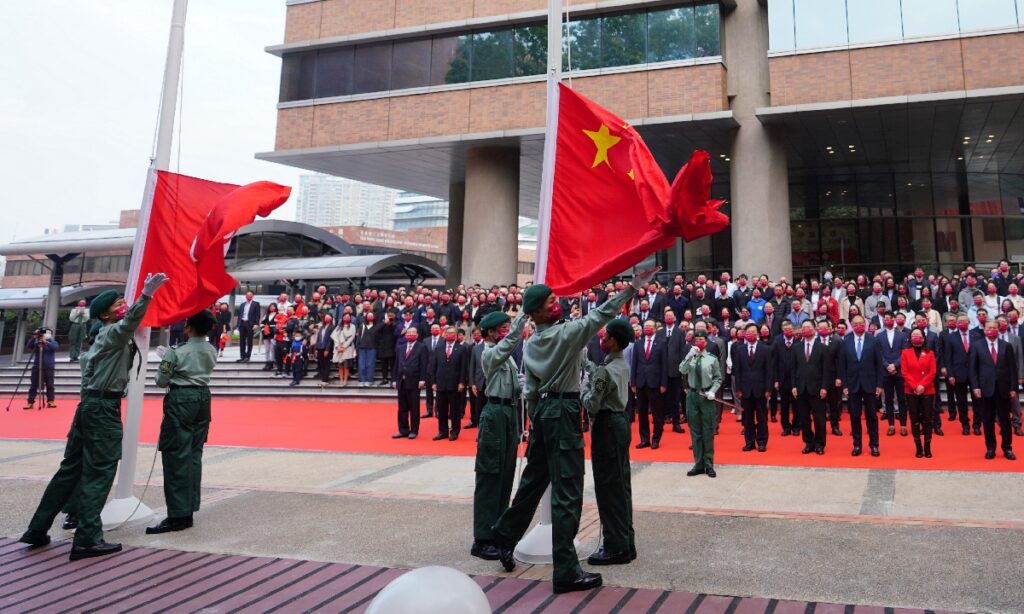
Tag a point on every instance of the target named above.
point(927, 540)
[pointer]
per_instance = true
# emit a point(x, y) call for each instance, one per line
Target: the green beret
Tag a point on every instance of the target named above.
point(493, 320)
point(700, 333)
point(202, 322)
point(102, 303)
point(621, 331)
point(96, 328)
point(534, 297)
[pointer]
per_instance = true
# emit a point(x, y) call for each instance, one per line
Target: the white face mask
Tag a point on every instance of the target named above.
point(47, 336)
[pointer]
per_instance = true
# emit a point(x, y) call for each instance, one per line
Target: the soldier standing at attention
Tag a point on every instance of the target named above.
point(605, 399)
point(552, 364)
point(79, 319)
point(704, 374)
point(94, 443)
point(185, 371)
point(498, 434)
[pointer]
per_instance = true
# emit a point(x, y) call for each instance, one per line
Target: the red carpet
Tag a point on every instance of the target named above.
point(367, 427)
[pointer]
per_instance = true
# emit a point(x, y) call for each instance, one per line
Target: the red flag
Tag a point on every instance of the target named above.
point(611, 205)
point(194, 217)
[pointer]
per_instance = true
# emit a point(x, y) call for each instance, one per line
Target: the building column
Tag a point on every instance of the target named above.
point(758, 173)
point(490, 237)
point(52, 305)
point(456, 219)
point(19, 336)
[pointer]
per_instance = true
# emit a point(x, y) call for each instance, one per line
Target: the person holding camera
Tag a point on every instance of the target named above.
point(41, 361)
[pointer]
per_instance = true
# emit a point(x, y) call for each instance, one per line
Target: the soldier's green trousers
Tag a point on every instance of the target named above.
point(701, 415)
point(76, 335)
point(555, 457)
point(183, 432)
point(609, 456)
point(87, 471)
point(495, 467)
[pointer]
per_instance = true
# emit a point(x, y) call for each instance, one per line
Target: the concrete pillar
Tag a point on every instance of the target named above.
point(3, 326)
point(490, 243)
point(19, 335)
point(758, 173)
point(52, 306)
point(456, 224)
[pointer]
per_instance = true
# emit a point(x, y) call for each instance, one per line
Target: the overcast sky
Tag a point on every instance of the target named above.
point(78, 103)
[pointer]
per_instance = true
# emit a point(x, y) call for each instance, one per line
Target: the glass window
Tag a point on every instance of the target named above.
point(988, 239)
point(929, 17)
point(298, 76)
point(1015, 239)
point(946, 193)
point(781, 33)
point(582, 46)
point(917, 240)
point(492, 55)
point(839, 240)
point(987, 14)
point(530, 50)
point(334, 72)
point(878, 241)
point(874, 20)
point(913, 194)
point(372, 68)
point(707, 31)
point(1011, 187)
point(837, 199)
point(820, 23)
point(410, 64)
point(949, 237)
point(670, 34)
point(449, 60)
point(806, 242)
point(875, 196)
point(983, 191)
point(623, 39)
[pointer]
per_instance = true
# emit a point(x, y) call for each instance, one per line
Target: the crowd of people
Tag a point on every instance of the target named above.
point(906, 349)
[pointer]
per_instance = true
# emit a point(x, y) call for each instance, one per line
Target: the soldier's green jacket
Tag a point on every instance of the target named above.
point(609, 385)
point(702, 370)
point(110, 358)
point(188, 364)
point(79, 315)
point(552, 360)
point(499, 369)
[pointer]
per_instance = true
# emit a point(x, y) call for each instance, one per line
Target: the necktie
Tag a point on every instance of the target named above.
point(860, 340)
point(789, 343)
point(995, 354)
point(408, 350)
point(448, 351)
point(769, 319)
point(807, 348)
point(751, 353)
point(647, 352)
point(668, 333)
point(966, 346)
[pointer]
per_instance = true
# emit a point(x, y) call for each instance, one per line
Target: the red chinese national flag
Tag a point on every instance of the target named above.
point(611, 205)
point(190, 226)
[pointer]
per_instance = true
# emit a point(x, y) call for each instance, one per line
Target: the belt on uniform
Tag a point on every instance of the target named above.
point(499, 401)
point(98, 394)
point(180, 387)
point(562, 396)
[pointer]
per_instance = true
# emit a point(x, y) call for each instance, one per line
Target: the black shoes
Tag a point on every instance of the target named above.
point(655, 445)
point(603, 557)
point(70, 523)
point(990, 454)
point(439, 437)
point(88, 552)
point(786, 432)
point(169, 524)
point(938, 430)
point(469, 425)
point(35, 538)
point(678, 429)
point(710, 471)
point(453, 437)
point(1009, 455)
point(507, 557)
point(1016, 431)
point(762, 448)
point(967, 430)
point(856, 452)
point(429, 414)
point(874, 450)
point(819, 451)
point(807, 450)
point(412, 435)
point(694, 471)
point(977, 430)
point(485, 551)
point(399, 436)
point(584, 582)
point(748, 448)
point(642, 445)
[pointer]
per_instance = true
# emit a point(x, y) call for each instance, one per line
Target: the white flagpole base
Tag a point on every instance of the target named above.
point(125, 512)
point(535, 547)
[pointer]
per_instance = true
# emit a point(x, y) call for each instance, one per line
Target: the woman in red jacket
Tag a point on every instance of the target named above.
point(918, 367)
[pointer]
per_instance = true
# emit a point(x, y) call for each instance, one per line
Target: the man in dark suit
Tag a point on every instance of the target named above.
point(674, 340)
point(993, 376)
point(860, 370)
point(594, 353)
point(782, 369)
point(772, 320)
point(752, 369)
point(811, 376)
point(248, 319)
point(450, 377)
point(834, 402)
point(891, 343)
point(649, 379)
point(478, 382)
point(323, 347)
point(431, 342)
point(410, 378)
point(956, 363)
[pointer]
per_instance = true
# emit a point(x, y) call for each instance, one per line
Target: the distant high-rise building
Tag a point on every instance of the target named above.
point(335, 201)
point(418, 211)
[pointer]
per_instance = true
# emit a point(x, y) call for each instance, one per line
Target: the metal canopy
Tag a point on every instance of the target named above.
point(378, 267)
point(35, 298)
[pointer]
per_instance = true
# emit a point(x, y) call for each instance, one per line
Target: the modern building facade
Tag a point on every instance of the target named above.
point(418, 211)
point(859, 134)
point(325, 200)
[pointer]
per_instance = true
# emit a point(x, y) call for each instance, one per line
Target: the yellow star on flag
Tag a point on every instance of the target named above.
point(604, 140)
point(631, 175)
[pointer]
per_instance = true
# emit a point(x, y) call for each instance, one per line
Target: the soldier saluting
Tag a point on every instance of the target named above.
point(94, 443)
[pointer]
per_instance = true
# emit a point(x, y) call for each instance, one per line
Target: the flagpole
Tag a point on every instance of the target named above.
point(125, 507)
point(535, 547)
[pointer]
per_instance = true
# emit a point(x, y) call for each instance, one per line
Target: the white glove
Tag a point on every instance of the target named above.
point(644, 277)
point(153, 283)
point(710, 395)
point(522, 380)
point(160, 351)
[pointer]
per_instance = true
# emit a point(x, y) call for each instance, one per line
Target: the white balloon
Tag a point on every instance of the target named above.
point(431, 590)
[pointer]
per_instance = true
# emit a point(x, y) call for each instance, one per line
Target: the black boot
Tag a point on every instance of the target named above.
point(917, 444)
point(70, 523)
point(167, 525)
point(927, 447)
point(604, 557)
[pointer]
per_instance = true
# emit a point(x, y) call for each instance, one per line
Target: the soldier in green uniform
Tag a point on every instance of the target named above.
point(705, 377)
point(605, 398)
point(185, 370)
point(498, 434)
point(94, 443)
point(79, 319)
point(552, 363)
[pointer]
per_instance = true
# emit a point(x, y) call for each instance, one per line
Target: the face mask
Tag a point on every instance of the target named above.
point(121, 312)
point(788, 333)
point(347, 320)
point(700, 344)
point(47, 336)
point(1003, 326)
point(992, 334)
point(809, 334)
point(1003, 268)
point(901, 322)
point(922, 325)
point(751, 337)
point(555, 312)
point(889, 324)
point(963, 326)
point(823, 333)
point(670, 321)
point(858, 328)
point(606, 345)
point(917, 342)
point(450, 338)
point(1013, 319)
point(435, 333)
point(477, 337)
point(299, 339)
point(951, 326)
point(687, 317)
point(410, 338)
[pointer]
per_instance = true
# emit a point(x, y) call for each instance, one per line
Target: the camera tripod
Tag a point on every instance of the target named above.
point(40, 383)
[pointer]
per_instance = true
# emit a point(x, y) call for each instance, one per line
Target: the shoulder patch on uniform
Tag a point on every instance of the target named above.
point(165, 366)
point(600, 385)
